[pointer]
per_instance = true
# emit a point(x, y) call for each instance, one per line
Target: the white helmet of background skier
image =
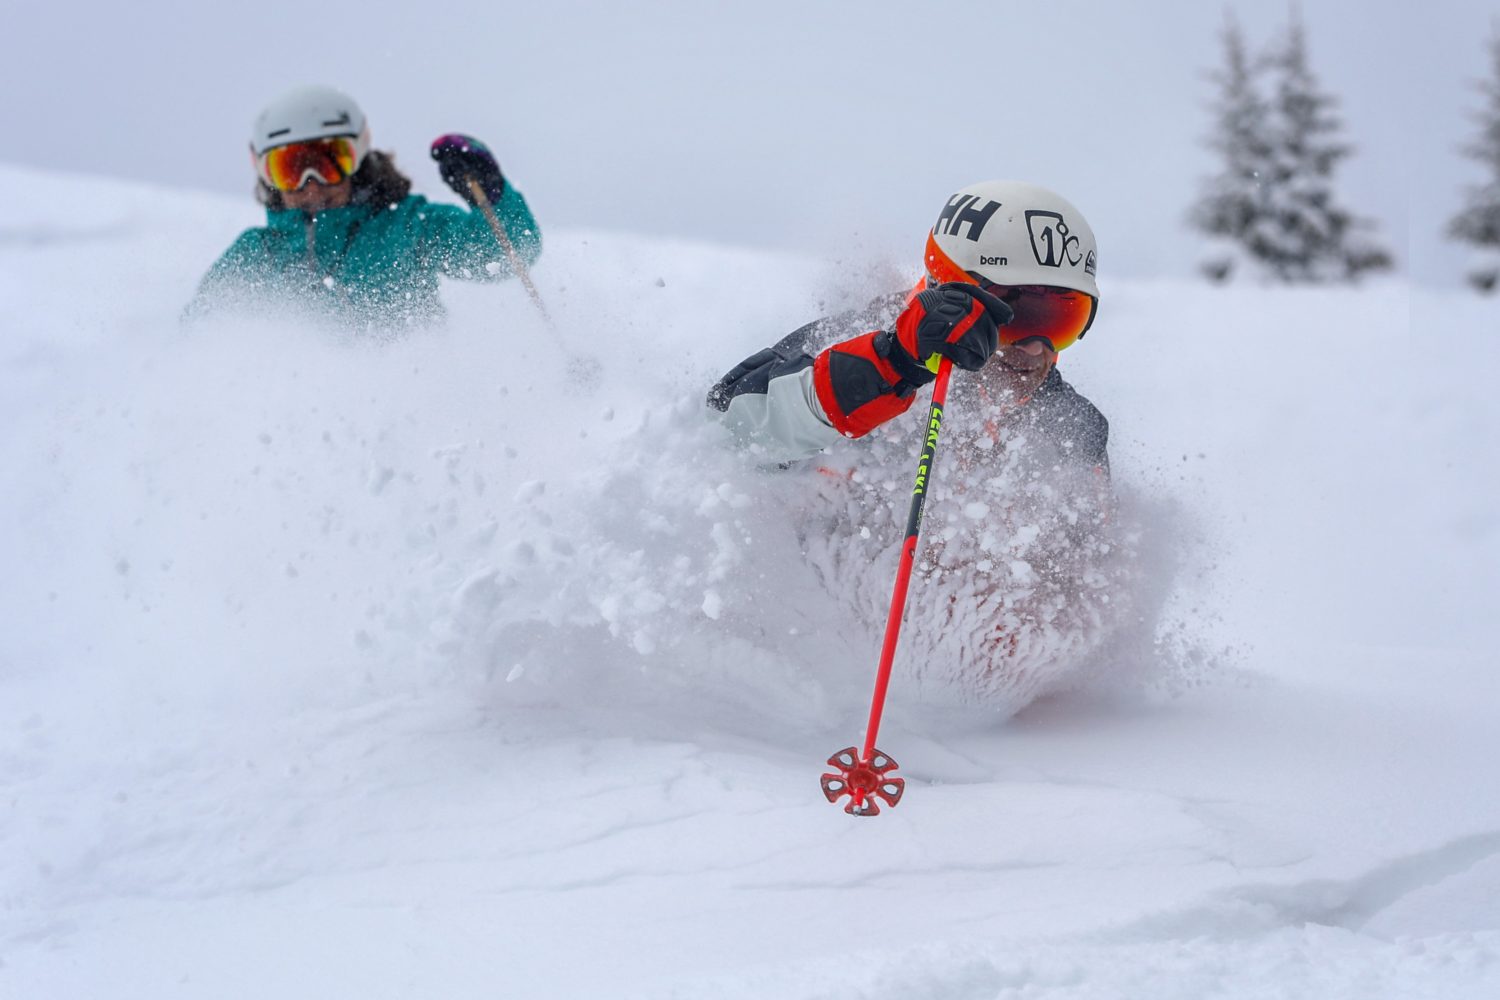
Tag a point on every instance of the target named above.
point(1028, 245)
point(309, 131)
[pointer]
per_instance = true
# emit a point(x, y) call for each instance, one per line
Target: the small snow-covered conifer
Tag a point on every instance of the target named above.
point(1232, 207)
point(1478, 222)
point(1315, 239)
point(1274, 202)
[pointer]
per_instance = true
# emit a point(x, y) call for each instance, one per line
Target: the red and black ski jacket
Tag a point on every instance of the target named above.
point(801, 395)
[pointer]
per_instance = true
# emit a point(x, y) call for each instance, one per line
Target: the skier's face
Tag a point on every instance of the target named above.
point(1018, 370)
point(315, 196)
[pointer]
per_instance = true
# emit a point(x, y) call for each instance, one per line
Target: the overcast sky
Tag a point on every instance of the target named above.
point(830, 127)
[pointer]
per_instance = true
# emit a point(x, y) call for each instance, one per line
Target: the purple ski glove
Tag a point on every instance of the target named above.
point(460, 157)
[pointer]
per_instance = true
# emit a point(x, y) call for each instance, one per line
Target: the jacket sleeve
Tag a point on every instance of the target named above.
point(461, 244)
point(787, 404)
point(769, 403)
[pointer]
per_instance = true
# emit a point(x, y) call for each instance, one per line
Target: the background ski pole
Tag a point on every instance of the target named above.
point(864, 774)
point(584, 370)
point(517, 265)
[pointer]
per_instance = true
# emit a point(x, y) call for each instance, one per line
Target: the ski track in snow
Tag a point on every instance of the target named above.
point(424, 669)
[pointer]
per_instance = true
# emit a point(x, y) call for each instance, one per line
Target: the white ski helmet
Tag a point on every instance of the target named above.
point(1013, 233)
point(311, 112)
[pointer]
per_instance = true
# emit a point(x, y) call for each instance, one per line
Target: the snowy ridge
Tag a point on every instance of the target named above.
point(418, 669)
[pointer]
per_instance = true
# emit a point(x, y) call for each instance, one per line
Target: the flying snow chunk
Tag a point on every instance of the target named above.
point(379, 478)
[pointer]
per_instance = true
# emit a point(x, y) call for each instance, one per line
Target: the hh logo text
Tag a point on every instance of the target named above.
point(964, 210)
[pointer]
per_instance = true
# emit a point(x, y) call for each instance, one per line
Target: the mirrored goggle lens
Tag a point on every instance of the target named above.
point(287, 168)
point(1058, 315)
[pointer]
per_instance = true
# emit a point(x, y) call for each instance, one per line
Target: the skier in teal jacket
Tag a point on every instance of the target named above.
point(344, 238)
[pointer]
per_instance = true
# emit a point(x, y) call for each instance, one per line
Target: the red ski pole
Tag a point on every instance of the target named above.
point(864, 775)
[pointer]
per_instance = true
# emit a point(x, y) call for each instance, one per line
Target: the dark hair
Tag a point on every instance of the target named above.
point(376, 182)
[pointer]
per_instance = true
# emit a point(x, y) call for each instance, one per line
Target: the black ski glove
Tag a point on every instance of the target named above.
point(461, 157)
point(866, 380)
point(955, 320)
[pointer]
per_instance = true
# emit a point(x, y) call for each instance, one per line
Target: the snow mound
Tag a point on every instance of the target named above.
point(416, 664)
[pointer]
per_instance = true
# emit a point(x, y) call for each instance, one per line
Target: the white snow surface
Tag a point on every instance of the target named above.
point(429, 669)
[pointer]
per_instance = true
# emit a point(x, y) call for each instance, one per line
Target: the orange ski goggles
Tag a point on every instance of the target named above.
point(1060, 316)
point(289, 167)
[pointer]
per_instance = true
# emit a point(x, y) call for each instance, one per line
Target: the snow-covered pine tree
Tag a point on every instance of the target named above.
point(1232, 206)
point(1308, 236)
point(1478, 223)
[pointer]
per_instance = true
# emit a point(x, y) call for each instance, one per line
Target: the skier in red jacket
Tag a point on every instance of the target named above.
point(1009, 268)
point(1022, 578)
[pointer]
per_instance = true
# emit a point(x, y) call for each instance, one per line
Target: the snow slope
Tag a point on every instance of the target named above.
point(425, 669)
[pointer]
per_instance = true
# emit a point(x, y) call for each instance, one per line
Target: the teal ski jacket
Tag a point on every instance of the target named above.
point(366, 267)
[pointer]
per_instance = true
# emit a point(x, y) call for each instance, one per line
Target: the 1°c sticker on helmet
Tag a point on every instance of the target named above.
point(1051, 240)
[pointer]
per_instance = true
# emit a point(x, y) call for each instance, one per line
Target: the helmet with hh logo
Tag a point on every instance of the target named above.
point(1012, 233)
